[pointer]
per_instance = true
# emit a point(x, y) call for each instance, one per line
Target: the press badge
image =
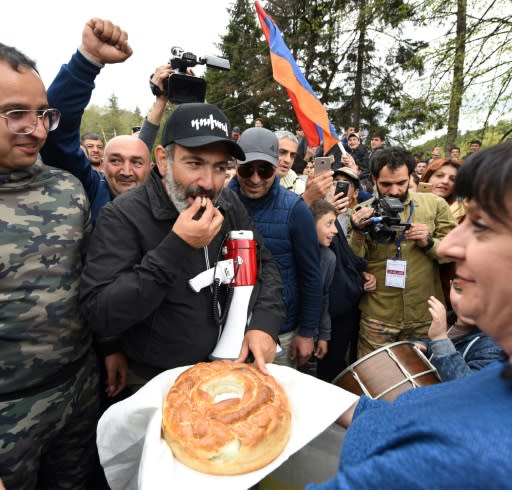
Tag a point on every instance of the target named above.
point(395, 273)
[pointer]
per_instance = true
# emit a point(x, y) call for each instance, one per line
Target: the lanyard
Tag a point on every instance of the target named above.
point(399, 239)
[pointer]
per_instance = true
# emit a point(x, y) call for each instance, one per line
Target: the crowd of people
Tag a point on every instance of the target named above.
point(101, 238)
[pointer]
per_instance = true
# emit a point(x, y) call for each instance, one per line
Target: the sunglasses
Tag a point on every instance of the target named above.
point(264, 171)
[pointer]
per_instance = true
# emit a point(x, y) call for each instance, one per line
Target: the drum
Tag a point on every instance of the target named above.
point(388, 372)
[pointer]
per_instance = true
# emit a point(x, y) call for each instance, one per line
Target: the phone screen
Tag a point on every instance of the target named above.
point(342, 186)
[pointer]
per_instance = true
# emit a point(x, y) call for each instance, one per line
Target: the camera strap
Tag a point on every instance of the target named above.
point(155, 89)
point(400, 238)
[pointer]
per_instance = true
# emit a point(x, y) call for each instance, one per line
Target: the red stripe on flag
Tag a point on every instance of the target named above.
point(310, 112)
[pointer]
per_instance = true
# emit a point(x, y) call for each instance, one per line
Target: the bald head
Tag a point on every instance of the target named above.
point(127, 163)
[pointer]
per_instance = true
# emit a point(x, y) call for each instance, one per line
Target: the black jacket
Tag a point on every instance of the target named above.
point(135, 283)
point(347, 284)
point(361, 156)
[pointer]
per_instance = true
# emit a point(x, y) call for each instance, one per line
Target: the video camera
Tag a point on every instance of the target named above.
point(386, 221)
point(181, 87)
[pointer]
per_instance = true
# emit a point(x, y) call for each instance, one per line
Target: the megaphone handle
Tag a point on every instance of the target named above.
point(220, 319)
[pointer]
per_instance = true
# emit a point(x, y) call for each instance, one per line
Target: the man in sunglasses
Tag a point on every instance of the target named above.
point(49, 380)
point(287, 225)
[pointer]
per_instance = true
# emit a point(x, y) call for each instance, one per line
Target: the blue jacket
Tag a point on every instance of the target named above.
point(70, 92)
point(446, 436)
point(289, 232)
point(465, 355)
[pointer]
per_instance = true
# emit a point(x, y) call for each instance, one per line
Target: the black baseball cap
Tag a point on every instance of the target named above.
point(198, 124)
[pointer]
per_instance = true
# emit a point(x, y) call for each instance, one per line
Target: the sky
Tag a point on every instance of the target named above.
point(50, 31)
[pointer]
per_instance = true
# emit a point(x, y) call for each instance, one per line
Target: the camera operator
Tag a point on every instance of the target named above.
point(400, 247)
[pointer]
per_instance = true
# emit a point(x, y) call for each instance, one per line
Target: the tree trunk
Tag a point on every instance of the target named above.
point(457, 89)
point(355, 116)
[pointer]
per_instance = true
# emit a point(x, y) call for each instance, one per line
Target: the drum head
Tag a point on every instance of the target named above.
point(387, 372)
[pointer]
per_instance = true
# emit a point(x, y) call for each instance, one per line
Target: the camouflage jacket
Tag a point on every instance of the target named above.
point(44, 222)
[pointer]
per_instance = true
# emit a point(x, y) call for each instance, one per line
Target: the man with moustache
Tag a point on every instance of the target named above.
point(148, 244)
point(126, 158)
point(404, 263)
point(95, 146)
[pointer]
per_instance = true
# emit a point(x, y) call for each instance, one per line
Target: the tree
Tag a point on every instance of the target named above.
point(470, 68)
point(380, 60)
point(244, 92)
point(334, 44)
point(457, 88)
point(249, 91)
point(111, 120)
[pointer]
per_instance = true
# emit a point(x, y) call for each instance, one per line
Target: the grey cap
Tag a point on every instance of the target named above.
point(259, 144)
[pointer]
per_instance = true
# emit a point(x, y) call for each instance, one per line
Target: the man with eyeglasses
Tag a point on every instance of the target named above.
point(150, 242)
point(125, 160)
point(287, 225)
point(49, 380)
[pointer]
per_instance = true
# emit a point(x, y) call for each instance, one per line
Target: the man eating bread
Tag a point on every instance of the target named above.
point(151, 241)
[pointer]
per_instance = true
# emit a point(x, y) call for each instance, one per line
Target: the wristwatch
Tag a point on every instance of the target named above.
point(429, 245)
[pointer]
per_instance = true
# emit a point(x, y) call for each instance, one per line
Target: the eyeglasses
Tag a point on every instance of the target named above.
point(24, 121)
point(264, 171)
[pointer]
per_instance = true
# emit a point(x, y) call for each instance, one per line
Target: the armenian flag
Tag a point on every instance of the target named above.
point(310, 112)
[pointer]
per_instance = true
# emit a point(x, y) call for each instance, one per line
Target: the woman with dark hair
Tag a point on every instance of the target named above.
point(441, 173)
point(456, 434)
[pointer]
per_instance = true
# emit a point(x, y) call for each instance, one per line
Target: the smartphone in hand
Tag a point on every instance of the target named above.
point(425, 187)
point(341, 186)
point(323, 164)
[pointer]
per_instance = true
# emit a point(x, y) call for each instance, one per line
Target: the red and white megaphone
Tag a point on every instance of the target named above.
point(240, 247)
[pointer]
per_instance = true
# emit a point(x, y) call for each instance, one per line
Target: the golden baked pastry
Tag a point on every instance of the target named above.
point(225, 418)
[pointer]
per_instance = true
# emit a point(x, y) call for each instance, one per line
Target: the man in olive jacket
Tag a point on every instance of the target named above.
point(402, 256)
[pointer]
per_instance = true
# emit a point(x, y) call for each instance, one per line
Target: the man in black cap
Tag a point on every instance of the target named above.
point(150, 242)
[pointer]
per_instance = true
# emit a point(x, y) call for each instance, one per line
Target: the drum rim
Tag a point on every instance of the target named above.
point(384, 348)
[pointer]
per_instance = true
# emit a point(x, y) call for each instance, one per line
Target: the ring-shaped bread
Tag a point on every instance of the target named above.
point(224, 418)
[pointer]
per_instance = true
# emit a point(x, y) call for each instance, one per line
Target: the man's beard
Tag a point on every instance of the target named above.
point(178, 194)
point(401, 197)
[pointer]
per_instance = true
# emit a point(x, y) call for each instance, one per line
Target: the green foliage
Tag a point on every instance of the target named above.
point(334, 44)
point(248, 90)
point(111, 120)
point(480, 32)
point(493, 135)
point(244, 93)
point(369, 63)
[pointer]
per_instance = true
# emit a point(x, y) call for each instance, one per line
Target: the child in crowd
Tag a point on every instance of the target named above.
point(324, 214)
point(463, 348)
